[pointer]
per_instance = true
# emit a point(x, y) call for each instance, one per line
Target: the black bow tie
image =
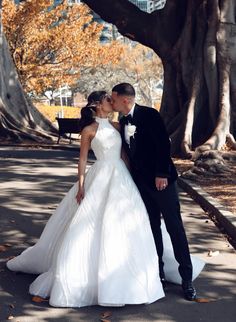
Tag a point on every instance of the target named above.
point(128, 119)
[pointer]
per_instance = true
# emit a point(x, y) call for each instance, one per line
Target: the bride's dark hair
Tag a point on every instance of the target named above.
point(88, 112)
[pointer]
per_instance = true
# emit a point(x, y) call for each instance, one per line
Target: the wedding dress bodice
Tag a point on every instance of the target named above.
point(106, 144)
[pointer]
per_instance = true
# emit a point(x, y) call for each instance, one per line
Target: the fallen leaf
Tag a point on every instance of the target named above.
point(38, 299)
point(3, 248)
point(213, 253)
point(10, 317)
point(204, 300)
point(7, 245)
point(12, 221)
point(106, 314)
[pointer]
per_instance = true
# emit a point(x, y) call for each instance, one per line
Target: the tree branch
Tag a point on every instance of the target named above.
point(158, 30)
point(128, 18)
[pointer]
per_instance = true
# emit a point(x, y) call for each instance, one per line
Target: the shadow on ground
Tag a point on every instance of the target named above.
point(32, 183)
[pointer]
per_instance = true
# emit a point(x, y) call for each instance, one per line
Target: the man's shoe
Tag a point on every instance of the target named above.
point(190, 293)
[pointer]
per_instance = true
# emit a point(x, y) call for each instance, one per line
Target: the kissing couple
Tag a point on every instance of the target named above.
point(106, 243)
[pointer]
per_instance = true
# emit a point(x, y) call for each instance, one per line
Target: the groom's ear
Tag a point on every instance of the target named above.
point(126, 99)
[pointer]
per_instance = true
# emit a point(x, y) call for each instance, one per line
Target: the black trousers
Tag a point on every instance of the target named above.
point(166, 202)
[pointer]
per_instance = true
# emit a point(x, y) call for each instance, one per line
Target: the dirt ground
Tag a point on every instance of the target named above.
point(223, 187)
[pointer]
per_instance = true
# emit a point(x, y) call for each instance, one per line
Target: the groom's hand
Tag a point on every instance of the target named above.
point(161, 183)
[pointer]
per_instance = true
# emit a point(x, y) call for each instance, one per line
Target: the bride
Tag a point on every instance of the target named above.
point(98, 248)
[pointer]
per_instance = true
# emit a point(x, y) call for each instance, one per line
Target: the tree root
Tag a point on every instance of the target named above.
point(210, 163)
point(231, 141)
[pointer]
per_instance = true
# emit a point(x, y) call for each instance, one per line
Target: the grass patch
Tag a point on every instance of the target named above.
point(50, 112)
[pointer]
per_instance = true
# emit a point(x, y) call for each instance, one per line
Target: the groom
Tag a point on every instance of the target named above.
point(147, 146)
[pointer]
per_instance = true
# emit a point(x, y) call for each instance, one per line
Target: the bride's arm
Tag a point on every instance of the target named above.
point(86, 137)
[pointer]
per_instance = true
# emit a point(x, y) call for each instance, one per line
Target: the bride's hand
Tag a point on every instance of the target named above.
point(80, 195)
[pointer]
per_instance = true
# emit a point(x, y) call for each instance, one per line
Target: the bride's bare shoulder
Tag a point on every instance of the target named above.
point(90, 130)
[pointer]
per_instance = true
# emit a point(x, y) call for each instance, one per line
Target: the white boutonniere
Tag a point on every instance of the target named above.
point(131, 130)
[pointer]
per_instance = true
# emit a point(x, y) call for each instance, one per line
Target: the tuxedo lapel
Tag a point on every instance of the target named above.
point(131, 148)
point(135, 122)
point(136, 114)
point(122, 132)
point(132, 145)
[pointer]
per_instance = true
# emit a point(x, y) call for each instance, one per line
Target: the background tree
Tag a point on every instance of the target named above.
point(19, 120)
point(146, 68)
point(49, 43)
point(195, 40)
point(138, 65)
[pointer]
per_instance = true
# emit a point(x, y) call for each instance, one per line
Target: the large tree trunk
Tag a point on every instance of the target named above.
point(196, 40)
point(19, 119)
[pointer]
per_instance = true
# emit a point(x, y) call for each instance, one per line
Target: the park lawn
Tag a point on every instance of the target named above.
point(50, 112)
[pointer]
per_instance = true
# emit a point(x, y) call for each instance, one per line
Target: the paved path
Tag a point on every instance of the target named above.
point(31, 185)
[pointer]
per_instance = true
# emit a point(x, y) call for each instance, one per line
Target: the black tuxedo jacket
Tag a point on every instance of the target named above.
point(149, 149)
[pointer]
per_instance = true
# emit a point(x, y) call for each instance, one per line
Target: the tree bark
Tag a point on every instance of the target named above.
point(196, 41)
point(19, 119)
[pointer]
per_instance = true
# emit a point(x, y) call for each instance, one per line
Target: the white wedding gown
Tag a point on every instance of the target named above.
point(101, 251)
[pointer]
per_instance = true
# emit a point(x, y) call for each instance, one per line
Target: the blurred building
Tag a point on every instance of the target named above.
point(149, 5)
point(74, 1)
point(144, 5)
point(158, 4)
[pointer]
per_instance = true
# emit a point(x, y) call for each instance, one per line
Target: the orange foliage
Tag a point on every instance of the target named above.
point(50, 44)
point(157, 106)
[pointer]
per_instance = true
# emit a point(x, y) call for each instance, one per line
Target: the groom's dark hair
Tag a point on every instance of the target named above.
point(125, 89)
